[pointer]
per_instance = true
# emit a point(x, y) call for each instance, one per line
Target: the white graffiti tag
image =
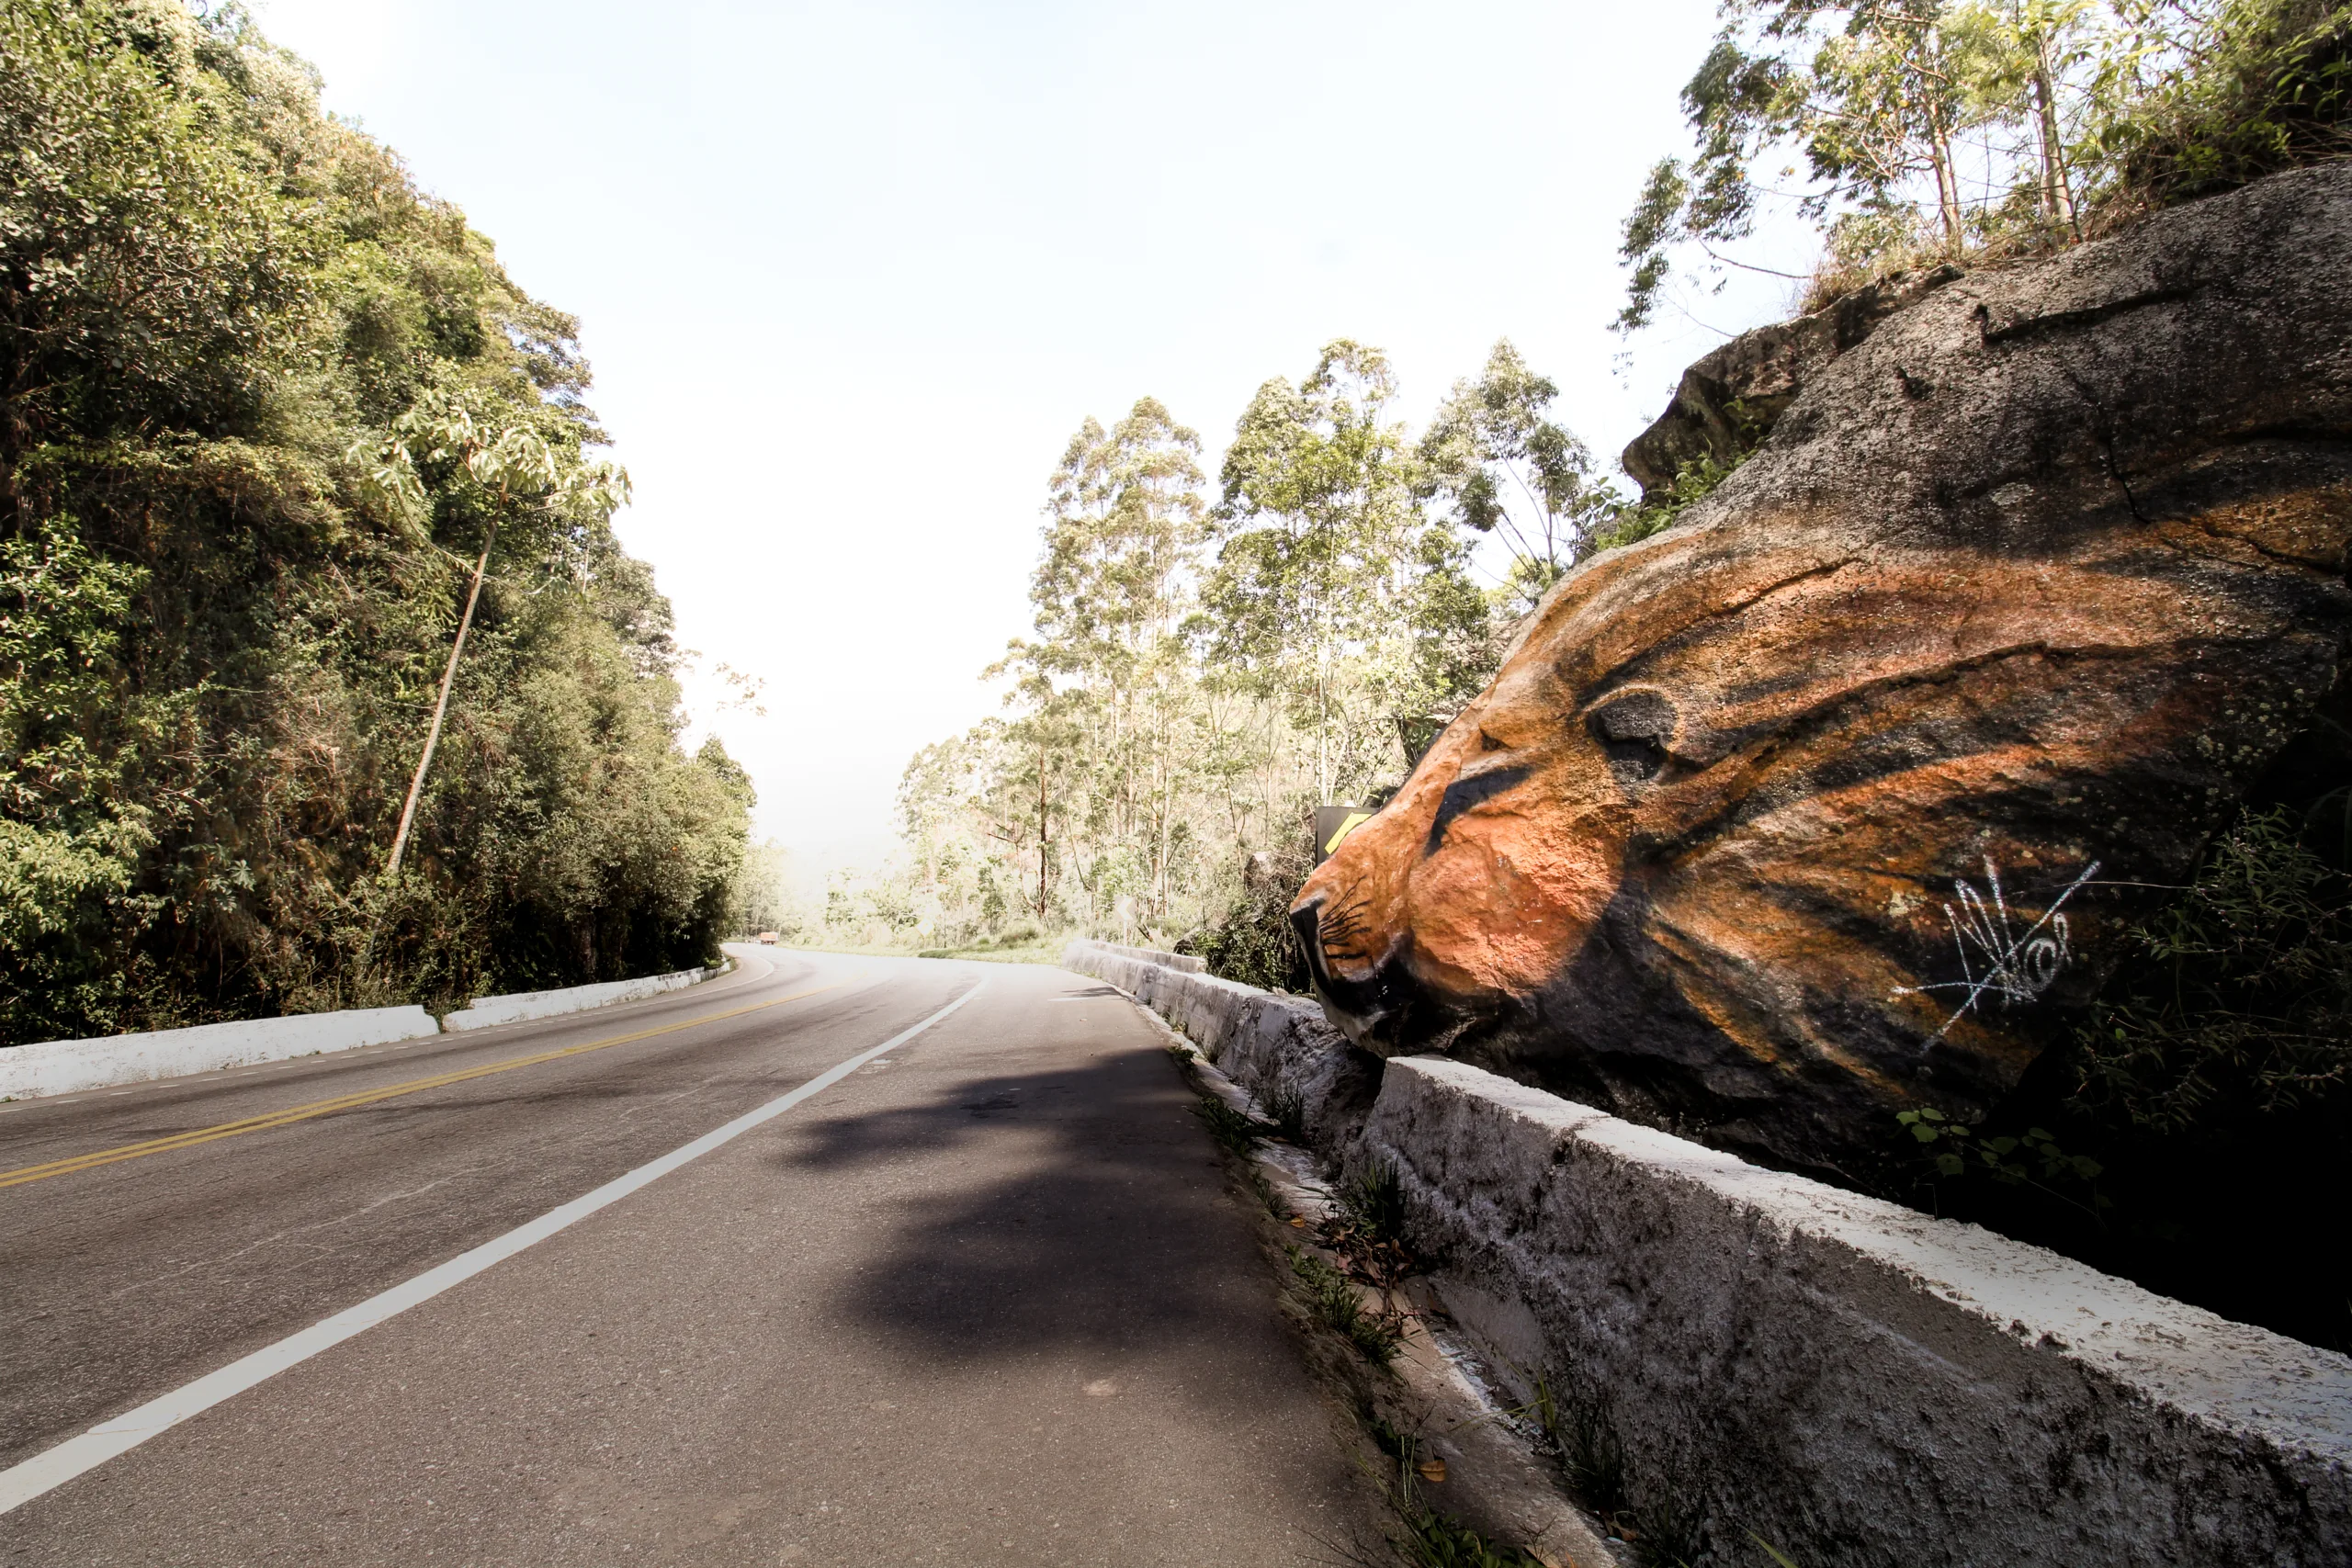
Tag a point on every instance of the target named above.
point(1996, 958)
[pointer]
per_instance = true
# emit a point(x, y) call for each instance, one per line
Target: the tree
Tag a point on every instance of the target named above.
point(515, 470)
point(1506, 470)
point(2077, 114)
point(1867, 94)
point(1328, 576)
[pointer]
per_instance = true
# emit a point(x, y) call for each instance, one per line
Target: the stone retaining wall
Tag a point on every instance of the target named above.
point(1857, 1382)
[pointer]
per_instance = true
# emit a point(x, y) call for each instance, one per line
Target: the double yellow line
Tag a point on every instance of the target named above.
point(367, 1096)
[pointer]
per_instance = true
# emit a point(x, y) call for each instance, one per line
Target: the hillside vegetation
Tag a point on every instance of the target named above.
point(262, 402)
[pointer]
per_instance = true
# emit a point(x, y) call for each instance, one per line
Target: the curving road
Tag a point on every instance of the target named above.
point(981, 1298)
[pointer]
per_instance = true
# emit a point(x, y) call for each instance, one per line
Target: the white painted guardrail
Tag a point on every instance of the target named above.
point(1856, 1381)
point(73, 1066)
point(485, 1012)
point(69, 1067)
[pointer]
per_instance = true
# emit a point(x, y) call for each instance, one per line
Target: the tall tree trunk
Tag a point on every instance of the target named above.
point(1947, 186)
point(1041, 830)
point(2057, 190)
point(440, 707)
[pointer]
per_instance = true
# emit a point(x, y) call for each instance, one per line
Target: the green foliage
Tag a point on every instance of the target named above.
point(2238, 997)
point(2031, 1158)
point(1432, 1541)
point(1925, 128)
point(1329, 580)
point(1236, 1132)
point(1375, 1199)
point(260, 403)
point(1585, 1437)
point(1692, 483)
point(1200, 677)
point(1504, 468)
point(1287, 1109)
point(1251, 941)
point(1334, 1301)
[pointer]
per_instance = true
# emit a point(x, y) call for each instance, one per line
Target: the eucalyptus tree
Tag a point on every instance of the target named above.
point(1125, 520)
point(2064, 105)
point(2018, 60)
point(1332, 589)
point(1493, 456)
point(1867, 95)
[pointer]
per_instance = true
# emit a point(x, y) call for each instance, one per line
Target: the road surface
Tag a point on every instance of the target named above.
point(983, 1297)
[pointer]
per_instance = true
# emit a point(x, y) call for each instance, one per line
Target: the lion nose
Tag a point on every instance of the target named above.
point(1375, 1010)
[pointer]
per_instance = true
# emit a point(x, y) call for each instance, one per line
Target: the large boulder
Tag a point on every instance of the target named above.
point(1827, 801)
point(1729, 399)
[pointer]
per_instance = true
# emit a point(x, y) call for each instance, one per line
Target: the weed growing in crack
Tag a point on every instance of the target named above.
point(1235, 1133)
point(1432, 1541)
point(1367, 1230)
point(1428, 1539)
point(1660, 1535)
point(1376, 1201)
point(1288, 1108)
point(1585, 1437)
point(1332, 1299)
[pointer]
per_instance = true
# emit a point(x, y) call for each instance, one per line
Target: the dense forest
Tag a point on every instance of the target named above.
point(265, 407)
point(1210, 665)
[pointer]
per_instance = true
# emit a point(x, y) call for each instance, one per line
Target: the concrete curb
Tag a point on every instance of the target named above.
point(487, 1013)
point(1855, 1381)
point(71, 1066)
point(1439, 1390)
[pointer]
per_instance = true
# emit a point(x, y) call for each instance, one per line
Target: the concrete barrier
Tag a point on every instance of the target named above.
point(1183, 962)
point(487, 1012)
point(1855, 1381)
point(70, 1067)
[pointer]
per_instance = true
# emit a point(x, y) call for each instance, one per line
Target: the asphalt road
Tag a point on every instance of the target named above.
point(983, 1299)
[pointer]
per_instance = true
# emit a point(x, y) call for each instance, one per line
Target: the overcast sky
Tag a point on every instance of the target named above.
point(849, 276)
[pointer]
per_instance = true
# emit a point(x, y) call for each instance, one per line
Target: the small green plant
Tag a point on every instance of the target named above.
point(2237, 997)
point(1959, 1149)
point(1235, 1133)
point(1367, 1229)
point(1774, 1552)
point(1661, 1535)
point(1585, 1437)
point(1288, 1108)
point(1692, 482)
point(1333, 1301)
point(1375, 1198)
point(1432, 1541)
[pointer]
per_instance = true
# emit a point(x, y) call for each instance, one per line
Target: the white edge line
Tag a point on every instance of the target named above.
point(47, 1470)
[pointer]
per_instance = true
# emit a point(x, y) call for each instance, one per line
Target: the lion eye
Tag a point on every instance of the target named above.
point(1634, 730)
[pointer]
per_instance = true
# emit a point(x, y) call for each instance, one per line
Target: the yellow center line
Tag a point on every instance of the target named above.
point(367, 1097)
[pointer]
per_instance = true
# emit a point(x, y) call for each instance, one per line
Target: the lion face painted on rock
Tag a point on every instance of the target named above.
point(1822, 804)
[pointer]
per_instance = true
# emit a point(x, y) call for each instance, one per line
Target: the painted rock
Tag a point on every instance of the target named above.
point(1828, 801)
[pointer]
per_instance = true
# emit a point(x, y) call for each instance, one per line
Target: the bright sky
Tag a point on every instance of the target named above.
point(849, 276)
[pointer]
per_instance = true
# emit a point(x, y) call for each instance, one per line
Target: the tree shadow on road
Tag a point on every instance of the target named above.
point(1079, 1206)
